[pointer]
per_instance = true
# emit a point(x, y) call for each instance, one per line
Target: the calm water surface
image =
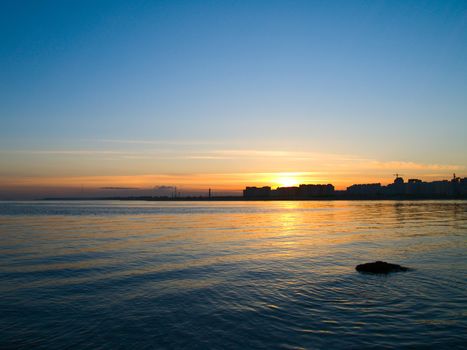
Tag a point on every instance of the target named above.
point(226, 275)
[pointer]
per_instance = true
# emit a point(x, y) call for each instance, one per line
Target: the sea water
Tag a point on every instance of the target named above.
point(232, 275)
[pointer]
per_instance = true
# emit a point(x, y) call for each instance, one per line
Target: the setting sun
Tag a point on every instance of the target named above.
point(286, 181)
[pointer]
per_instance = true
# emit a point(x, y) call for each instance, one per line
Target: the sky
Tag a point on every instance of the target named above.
point(224, 94)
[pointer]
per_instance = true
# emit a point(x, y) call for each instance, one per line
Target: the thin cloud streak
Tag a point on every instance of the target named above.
point(244, 153)
point(158, 142)
point(67, 152)
point(411, 166)
point(230, 154)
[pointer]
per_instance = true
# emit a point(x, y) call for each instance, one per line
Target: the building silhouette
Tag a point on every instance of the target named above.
point(365, 189)
point(399, 189)
point(291, 192)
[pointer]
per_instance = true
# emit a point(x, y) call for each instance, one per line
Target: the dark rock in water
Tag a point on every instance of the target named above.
point(380, 267)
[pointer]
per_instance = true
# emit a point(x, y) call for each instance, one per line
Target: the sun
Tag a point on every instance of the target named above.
point(287, 181)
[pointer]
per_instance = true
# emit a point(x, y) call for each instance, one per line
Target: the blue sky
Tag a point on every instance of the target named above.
point(378, 80)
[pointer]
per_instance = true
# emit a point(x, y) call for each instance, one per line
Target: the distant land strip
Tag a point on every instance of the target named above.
point(456, 188)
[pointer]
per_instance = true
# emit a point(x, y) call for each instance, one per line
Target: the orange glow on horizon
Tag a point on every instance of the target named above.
point(229, 182)
point(225, 181)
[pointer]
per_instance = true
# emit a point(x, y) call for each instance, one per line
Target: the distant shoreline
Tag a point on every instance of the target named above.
point(242, 199)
